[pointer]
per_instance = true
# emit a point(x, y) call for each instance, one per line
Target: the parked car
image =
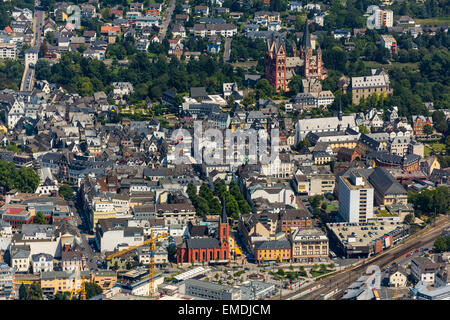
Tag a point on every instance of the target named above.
point(408, 255)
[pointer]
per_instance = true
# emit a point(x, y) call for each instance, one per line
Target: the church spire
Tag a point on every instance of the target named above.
point(224, 218)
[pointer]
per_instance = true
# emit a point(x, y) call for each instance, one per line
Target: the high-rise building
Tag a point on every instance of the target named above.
point(7, 282)
point(355, 198)
point(379, 18)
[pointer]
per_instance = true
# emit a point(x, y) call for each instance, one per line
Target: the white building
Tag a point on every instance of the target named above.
point(31, 56)
point(5, 229)
point(280, 167)
point(15, 113)
point(324, 98)
point(389, 42)
point(273, 193)
point(355, 198)
point(398, 277)
point(42, 262)
point(122, 88)
point(305, 126)
point(20, 257)
point(8, 51)
point(379, 18)
point(114, 234)
point(423, 269)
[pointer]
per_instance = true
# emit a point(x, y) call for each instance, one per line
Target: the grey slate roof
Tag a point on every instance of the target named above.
point(276, 244)
point(385, 183)
point(203, 243)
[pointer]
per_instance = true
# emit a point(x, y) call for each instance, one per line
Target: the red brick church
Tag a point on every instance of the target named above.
point(280, 68)
point(207, 249)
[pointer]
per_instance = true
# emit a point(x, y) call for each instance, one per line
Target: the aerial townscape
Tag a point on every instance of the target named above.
point(224, 150)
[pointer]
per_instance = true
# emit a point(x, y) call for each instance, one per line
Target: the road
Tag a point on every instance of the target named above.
point(91, 256)
point(27, 79)
point(343, 279)
point(168, 17)
point(227, 50)
point(27, 82)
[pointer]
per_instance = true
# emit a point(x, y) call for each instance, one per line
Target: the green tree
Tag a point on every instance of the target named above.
point(232, 207)
point(202, 207)
point(62, 295)
point(171, 251)
point(244, 207)
point(66, 192)
point(363, 129)
point(264, 89)
point(26, 180)
point(220, 188)
point(214, 206)
point(39, 218)
point(85, 87)
point(23, 292)
point(92, 289)
point(409, 219)
point(302, 144)
point(442, 244)
point(295, 84)
point(316, 200)
point(191, 190)
point(35, 292)
point(427, 129)
point(205, 192)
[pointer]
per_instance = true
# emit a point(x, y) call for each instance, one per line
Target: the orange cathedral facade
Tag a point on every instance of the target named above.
point(279, 67)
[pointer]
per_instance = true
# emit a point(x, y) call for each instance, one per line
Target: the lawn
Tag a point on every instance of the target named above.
point(331, 208)
point(427, 151)
point(437, 21)
point(438, 147)
point(320, 272)
point(245, 64)
point(384, 213)
point(376, 65)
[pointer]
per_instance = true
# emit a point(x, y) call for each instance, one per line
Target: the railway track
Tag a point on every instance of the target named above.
point(344, 278)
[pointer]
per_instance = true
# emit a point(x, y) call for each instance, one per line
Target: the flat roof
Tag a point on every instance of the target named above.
point(356, 234)
point(191, 273)
point(351, 186)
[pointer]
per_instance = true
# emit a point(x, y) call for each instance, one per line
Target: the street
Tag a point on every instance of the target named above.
point(27, 82)
point(91, 256)
point(168, 17)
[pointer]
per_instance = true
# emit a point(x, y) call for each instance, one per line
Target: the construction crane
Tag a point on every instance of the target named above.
point(83, 288)
point(150, 241)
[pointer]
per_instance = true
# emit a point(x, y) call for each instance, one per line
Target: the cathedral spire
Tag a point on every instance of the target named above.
point(306, 37)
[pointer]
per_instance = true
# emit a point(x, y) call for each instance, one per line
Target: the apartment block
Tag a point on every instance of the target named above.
point(355, 198)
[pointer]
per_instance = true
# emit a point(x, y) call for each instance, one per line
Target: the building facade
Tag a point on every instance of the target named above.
point(7, 282)
point(309, 245)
